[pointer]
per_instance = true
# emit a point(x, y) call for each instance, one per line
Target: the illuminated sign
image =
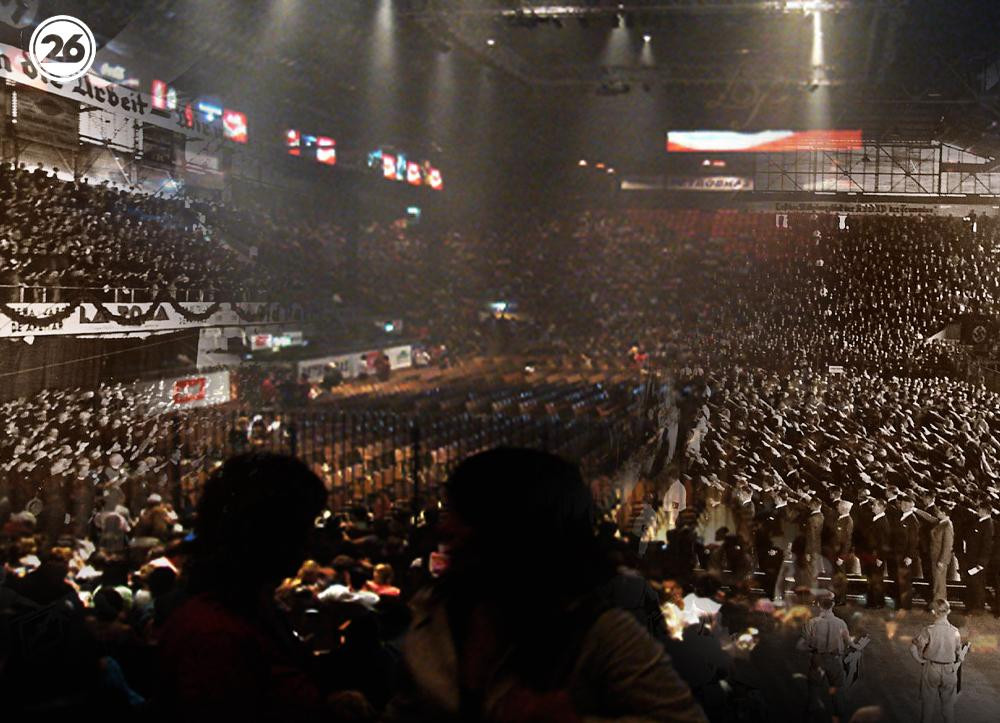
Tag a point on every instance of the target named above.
point(209, 110)
point(326, 150)
point(321, 148)
point(162, 96)
point(413, 174)
point(234, 125)
point(274, 342)
point(434, 179)
point(397, 167)
point(293, 142)
point(389, 166)
point(762, 141)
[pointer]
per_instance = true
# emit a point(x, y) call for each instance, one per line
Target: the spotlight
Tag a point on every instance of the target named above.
point(611, 170)
point(491, 42)
point(583, 162)
point(646, 38)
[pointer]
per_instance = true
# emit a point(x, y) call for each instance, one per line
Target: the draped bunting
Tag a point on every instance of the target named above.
point(123, 319)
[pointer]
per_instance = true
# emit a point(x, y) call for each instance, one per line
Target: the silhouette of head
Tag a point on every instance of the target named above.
point(254, 520)
point(521, 515)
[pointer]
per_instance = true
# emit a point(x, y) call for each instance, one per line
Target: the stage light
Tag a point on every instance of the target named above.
point(647, 38)
point(583, 162)
point(611, 170)
point(491, 42)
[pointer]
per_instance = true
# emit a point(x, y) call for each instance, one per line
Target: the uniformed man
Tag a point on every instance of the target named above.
point(938, 648)
point(813, 531)
point(906, 549)
point(978, 547)
point(877, 550)
point(843, 555)
point(827, 638)
point(942, 540)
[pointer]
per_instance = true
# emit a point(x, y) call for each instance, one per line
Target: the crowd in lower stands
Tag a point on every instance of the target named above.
point(797, 431)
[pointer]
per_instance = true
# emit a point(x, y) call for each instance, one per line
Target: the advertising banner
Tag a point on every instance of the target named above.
point(687, 183)
point(187, 392)
point(21, 320)
point(709, 183)
point(357, 363)
point(761, 141)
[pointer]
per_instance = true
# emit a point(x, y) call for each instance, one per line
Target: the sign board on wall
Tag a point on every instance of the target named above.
point(859, 209)
point(186, 392)
point(356, 363)
point(97, 92)
point(91, 319)
point(687, 183)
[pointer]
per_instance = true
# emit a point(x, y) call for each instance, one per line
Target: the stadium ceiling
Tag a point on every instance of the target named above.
point(901, 70)
point(694, 42)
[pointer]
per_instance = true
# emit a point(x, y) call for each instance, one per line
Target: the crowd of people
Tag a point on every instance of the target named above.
point(860, 291)
point(75, 239)
point(816, 439)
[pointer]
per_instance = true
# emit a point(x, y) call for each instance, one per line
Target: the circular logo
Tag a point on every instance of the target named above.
point(62, 48)
point(979, 334)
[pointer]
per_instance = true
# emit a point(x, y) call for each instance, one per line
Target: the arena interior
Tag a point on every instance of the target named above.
point(500, 360)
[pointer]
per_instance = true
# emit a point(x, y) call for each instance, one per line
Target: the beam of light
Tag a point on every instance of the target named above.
point(817, 44)
point(617, 48)
point(384, 37)
point(819, 100)
point(442, 95)
point(646, 58)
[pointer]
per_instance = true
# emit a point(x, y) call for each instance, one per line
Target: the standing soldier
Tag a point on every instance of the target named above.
point(877, 551)
point(827, 639)
point(978, 547)
point(813, 531)
point(942, 539)
point(906, 549)
point(938, 648)
point(843, 558)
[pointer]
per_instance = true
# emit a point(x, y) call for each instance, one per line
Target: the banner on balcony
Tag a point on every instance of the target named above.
point(95, 319)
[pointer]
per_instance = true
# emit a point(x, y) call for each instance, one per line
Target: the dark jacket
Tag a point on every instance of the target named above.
point(906, 537)
point(978, 543)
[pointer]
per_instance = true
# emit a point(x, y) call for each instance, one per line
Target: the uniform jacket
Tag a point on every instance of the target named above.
point(942, 542)
point(906, 537)
point(844, 535)
point(813, 525)
point(978, 543)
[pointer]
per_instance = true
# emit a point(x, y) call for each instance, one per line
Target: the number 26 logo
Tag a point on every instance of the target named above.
point(62, 48)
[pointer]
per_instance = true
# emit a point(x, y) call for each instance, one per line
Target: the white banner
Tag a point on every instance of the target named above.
point(90, 319)
point(709, 183)
point(352, 365)
point(95, 91)
point(858, 209)
point(687, 183)
point(195, 390)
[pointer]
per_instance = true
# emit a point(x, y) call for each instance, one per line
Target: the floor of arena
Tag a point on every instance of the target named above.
point(890, 676)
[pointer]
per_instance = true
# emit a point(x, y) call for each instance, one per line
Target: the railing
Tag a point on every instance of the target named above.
point(364, 455)
point(69, 294)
